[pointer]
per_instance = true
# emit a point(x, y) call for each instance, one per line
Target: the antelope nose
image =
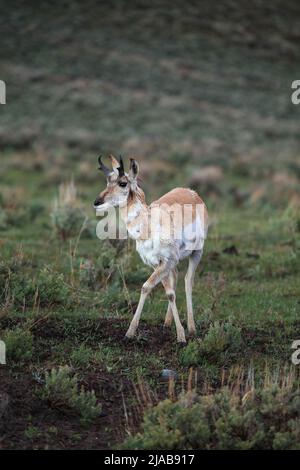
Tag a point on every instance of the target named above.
point(98, 201)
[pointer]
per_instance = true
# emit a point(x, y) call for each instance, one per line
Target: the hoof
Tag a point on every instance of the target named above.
point(181, 344)
point(192, 334)
point(168, 374)
point(127, 339)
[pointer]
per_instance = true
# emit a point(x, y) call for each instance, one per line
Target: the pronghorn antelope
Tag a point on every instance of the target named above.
point(163, 234)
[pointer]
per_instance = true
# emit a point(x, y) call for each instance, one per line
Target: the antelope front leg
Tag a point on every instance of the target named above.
point(136, 318)
point(160, 272)
point(169, 284)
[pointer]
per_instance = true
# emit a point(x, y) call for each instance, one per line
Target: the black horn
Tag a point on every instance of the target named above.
point(121, 167)
point(103, 168)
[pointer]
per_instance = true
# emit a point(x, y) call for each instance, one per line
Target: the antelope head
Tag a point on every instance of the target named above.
point(120, 185)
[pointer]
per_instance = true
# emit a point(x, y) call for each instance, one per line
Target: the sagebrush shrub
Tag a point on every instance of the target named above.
point(67, 221)
point(269, 419)
point(7, 268)
point(47, 288)
point(3, 219)
point(61, 390)
point(93, 273)
point(86, 404)
point(190, 354)
point(19, 344)
point(108, 264)
point(220, 338)
point(34, 210)
point(81, 356)
point(68, 216)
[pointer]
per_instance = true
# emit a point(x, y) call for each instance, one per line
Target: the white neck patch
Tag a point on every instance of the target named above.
point(133, 212)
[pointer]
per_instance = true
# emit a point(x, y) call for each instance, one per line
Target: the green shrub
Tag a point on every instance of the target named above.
point(137, 276)
point(7, 268)
point(19, 344)
point(67, 221)
point(81, 356)
point(269, 419)
point(87, 406)
point(220, 338)
point(87, 273)
point(190, 354)
point(68, 216)
point(61, 390)
point(48, 288)
point(95, 272)
point(15, 217)
point(32, 432)
point(34, 210)
point(3, 219)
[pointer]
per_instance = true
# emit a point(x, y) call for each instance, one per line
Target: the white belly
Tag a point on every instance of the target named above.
point(190, 239)
point(153, 252)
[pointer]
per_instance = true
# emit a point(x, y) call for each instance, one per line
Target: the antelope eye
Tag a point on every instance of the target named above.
point(122, 184)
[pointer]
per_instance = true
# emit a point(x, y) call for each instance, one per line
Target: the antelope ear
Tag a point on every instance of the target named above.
point(134, 168)
point(115, 164)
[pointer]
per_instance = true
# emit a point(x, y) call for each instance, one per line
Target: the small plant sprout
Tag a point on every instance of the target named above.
point(67, 214)
point(62, 391)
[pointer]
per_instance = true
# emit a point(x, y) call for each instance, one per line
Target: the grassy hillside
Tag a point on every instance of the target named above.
point(200, 95)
